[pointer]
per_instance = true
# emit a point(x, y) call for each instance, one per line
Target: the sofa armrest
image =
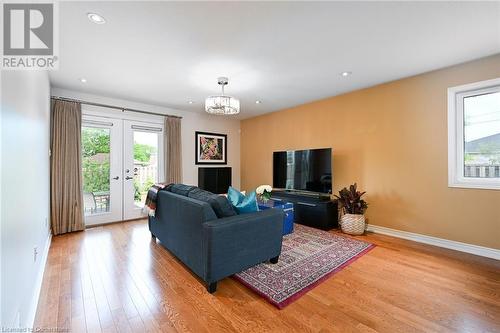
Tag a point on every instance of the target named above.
point(242, 241)
point(178, 224)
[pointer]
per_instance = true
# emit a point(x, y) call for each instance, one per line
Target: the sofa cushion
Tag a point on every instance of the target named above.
point(222, 206)
point(181, 189)
point(200, 194)
point(242, 203)
point(219, 204)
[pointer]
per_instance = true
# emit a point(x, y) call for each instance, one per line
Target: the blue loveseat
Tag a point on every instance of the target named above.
point(211, 245)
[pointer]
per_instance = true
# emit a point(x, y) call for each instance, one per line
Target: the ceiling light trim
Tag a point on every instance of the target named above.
point(96, 18)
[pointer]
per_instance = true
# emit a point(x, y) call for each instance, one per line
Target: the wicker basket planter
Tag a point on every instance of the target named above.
point(353, 224)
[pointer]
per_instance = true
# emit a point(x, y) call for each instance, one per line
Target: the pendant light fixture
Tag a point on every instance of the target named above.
point(222, 104)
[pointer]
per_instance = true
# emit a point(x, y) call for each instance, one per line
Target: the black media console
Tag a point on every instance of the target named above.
point(311, 209)
point(215, 180)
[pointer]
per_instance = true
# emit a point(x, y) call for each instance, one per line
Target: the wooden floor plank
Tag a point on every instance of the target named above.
point(115, 278)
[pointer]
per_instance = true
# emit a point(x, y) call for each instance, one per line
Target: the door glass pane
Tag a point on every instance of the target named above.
point(482, 136)
point(145, 164)
point(95, 167)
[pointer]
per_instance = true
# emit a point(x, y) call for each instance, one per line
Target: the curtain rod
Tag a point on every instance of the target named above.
point(111, 106)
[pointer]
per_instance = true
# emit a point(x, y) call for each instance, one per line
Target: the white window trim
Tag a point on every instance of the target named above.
point(455, 135)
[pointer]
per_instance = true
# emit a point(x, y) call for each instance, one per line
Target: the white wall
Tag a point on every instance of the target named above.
point(191, 122)
point(24, 192)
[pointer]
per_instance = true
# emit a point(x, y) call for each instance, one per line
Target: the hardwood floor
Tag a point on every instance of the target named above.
point(114, 278)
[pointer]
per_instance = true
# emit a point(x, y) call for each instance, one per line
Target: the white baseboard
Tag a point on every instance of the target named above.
point(448, 244)
point(30, 321)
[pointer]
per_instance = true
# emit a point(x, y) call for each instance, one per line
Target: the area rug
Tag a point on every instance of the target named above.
point(308, 257)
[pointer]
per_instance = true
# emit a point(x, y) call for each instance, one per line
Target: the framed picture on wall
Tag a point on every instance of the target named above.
point(211, 148)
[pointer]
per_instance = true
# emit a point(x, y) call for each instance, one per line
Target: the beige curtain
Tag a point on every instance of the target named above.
point(173, 150)
point(66, 198)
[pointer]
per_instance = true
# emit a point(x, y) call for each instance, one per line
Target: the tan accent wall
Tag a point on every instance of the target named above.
point(392, 140)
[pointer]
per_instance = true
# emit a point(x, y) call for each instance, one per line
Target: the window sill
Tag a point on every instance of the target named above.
point(474, 184)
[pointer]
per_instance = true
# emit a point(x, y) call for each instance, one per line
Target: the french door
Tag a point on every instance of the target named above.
point(142, 164)
point(121, 159)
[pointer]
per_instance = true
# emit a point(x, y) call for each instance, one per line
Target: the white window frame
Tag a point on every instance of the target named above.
point(456, 140)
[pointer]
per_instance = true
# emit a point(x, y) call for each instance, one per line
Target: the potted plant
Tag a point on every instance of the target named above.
point(352, 208)
point(264, 192)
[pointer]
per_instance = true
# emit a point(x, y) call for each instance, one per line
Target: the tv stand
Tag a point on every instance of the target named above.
point(317, 195)
point(316, 210)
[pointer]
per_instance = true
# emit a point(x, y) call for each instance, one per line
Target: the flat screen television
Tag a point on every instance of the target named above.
point(303, 170)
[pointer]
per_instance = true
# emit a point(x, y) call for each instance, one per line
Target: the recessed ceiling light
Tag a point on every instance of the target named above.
point(344, 74)
point(96, 18)
point(190, 102)
point(83, 80)
point(258, 102)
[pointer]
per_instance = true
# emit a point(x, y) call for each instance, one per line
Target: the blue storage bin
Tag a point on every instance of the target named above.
point(287, 208)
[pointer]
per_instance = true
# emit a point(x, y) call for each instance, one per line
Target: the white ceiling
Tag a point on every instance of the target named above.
point(282, 53)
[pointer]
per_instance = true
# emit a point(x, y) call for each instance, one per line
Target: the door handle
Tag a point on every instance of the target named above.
point(129, 178)
point(116, 178)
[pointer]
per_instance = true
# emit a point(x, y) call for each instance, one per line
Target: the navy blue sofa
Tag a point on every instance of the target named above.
point(212, 247)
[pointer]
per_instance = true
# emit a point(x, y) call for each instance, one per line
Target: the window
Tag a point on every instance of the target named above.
point(474, 135)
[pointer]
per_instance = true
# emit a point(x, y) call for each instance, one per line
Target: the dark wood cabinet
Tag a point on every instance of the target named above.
point(215, 179)
point(312, 210)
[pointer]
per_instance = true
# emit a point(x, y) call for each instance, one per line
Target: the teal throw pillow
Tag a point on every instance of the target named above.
point(242, 203)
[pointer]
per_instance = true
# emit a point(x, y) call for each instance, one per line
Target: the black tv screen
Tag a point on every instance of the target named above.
point(303, 170)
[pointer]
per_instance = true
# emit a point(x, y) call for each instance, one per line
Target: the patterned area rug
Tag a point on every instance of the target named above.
point(308, 257)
